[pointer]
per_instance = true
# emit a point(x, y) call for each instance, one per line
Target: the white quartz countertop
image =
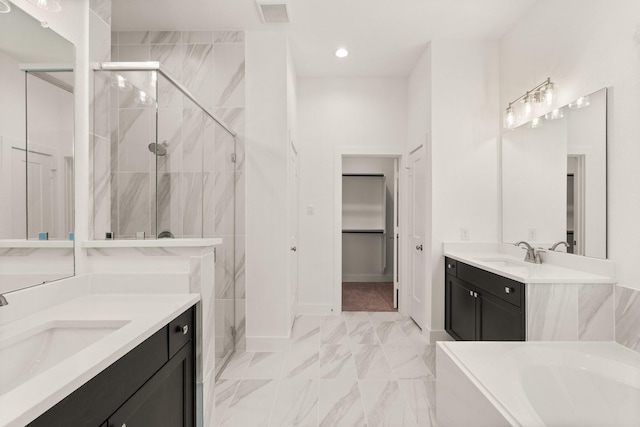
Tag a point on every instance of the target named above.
point(36, 244)
point(152, 243)
point(144, 315)
point(515, 268)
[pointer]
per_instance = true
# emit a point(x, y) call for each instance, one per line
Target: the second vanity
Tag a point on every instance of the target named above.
point(491, 294)
point(101, 359)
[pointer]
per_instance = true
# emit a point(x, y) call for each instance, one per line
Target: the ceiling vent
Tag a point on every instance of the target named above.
point(274, 11)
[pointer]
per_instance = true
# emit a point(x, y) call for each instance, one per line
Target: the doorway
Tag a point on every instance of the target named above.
point(369, 269)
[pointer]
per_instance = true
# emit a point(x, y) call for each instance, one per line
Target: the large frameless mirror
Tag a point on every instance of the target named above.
point(36, 153)
point(554, 179)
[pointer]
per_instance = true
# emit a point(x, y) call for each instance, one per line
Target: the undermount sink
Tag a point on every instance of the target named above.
point(25, 355)
point(503, 263)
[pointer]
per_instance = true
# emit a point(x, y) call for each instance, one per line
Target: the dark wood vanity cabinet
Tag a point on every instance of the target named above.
point(482, 306)
point(152, 385)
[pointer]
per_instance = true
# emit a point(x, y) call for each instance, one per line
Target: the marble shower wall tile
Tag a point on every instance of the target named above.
point(170, 124)
point(133, 204)
point(102, 186)
point(228, 37)
point(228, 85)
point(240, 287)
point(170, 57)
point(192, 204)
point(241, 324)
point(102, 8)
point(627, 316)
point(134, 138)
point(170, 214)
point(552, 312)
point(197, 69)
point(133, 37)
point(193, 139)
point(225, 144)
point(595, 312)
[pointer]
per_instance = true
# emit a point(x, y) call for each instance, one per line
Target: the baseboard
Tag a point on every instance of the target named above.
point(367, 278)
point(267, 343)
point(321, 309)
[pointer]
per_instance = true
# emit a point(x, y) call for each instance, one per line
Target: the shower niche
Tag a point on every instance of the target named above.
point(163, 164)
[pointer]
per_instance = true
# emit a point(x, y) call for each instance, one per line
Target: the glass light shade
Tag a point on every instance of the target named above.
point(536, 123)
point(342, 53)
point(554, 114)
point(581, 102)
point(509, 119)
point(49, 5)
point(549, 93)
point(5, 6)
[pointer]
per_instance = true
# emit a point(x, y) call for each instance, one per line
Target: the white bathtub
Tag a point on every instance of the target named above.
point(537, 384)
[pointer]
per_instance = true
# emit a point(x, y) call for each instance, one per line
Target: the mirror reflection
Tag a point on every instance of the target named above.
point(36, 153)
point(554, 172)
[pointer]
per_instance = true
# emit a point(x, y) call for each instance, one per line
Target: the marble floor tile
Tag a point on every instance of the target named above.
point(223, 394)
point(389, 333)
point(336, 362)
point(265, 365)
point(428, 354)
point(361, 332)
point(296, 404)
point(333, 330)
point(306, 330)
point(385, 405)
point(371, 362)
point(251, 404)
point(382, 316)
point(421, 398)
point(355, 315)
point(237, 365)
point(340, 404)
point(406, 363)
point(303, 362)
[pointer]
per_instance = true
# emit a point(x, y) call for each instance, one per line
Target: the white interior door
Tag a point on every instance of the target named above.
point(40, 178)
point(417, 215)
point(293, 228)
point(396, 233)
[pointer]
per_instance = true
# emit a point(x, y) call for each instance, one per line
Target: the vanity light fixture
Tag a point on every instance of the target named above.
point(530, 103)
point(5, 6)
point(554, 114)
point(581, 102)
point(48, 5)
point(342, 52)
point(536, 123)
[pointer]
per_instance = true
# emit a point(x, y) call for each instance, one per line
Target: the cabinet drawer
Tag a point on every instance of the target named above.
point(180, 332)
point(501, 287)
point(451, 267)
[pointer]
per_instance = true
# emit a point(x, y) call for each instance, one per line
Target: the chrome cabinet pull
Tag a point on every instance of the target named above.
point(507, 290)
point(418, 247)
point(293, 248)
point(185, 329)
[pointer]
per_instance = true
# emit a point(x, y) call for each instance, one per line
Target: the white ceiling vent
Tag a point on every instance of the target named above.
point(274, 11)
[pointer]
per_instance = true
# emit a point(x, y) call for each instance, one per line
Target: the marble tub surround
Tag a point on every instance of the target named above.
point(556, 267)
point(142, 315)
point(337, 370)
point(627, 317)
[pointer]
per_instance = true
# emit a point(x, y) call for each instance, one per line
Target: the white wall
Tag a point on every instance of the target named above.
point(464, 153)
point(585, 45)
point(267, 130)
point(361, 113)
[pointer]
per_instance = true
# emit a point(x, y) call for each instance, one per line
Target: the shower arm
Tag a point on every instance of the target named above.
point(155, 66)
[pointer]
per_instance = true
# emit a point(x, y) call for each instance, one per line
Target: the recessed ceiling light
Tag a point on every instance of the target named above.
point(342, 53)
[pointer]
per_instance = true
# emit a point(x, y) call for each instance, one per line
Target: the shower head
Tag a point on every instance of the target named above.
point(159, 149)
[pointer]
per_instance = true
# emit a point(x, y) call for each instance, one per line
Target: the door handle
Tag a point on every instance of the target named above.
point(419, 247)
point(293, 248)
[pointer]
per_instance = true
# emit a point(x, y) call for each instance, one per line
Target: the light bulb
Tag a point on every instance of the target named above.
point(342, 53)
point(143, 98)
point(509, 118)
point(48, 5)
point(549, 93)
point(528, 105)
point(120, 82)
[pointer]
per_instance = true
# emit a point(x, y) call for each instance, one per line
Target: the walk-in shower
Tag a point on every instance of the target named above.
point(164, 164)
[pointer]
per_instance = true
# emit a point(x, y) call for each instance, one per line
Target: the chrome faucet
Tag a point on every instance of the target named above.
point(3, 300)
point(532, 255)
point(555, 245)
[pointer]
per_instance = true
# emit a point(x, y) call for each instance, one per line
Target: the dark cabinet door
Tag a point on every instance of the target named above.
point(499, 320)
point(166, 400)
point(461, 310)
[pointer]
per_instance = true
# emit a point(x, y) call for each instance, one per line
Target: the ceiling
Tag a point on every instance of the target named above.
point(384, 37)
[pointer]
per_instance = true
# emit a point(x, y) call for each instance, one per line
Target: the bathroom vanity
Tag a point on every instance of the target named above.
point(481, 305)
point(152, 385)
point(101, 360)
point(492, 294)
